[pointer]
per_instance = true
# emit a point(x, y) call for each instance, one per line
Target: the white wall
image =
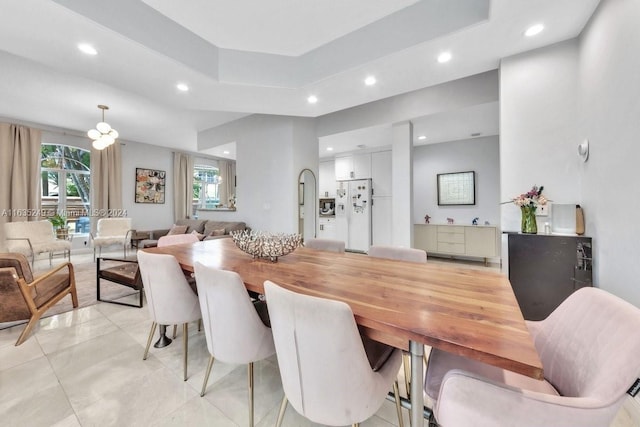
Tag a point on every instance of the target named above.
point(539, 127)
point(610, 90)
point(271, 151)
point(553, 98)
point(147, 216)
point(480, 155)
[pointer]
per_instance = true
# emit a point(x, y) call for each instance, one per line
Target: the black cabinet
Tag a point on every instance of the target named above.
point(545, 269)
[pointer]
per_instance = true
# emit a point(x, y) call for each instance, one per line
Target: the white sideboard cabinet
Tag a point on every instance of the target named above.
point(478, 241)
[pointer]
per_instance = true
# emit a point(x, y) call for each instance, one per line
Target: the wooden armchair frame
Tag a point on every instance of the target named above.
point(27, 288)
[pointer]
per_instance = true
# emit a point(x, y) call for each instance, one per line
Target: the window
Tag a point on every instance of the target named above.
point(66, 184)
point(206, 187)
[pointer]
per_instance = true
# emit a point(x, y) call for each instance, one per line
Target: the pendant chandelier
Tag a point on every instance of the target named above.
point(103, 135)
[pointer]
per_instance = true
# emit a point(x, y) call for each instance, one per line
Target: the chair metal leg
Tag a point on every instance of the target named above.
point(206, 375)
point(175, 331)
point(153, 331)
point(199, 325)
point(185, 340)
point(250, 380)
point(396, 393)
point(283, 407)
point(406, 364)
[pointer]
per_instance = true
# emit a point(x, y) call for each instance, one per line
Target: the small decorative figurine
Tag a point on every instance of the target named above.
point(475, 221)
point(486, 223)
point(449, 220)
point(426, 219)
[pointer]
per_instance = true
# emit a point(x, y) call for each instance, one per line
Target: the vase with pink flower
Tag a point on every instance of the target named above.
point(528, 203)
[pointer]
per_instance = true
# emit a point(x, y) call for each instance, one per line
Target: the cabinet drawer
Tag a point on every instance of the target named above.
point(456, 229)
point(451, 248)
point(451, 237)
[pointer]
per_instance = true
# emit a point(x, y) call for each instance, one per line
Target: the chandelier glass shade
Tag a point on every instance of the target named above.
point(103, 135)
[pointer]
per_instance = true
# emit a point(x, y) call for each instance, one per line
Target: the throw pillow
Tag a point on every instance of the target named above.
point(218, 232)
point(198, 235)
point(177, 229)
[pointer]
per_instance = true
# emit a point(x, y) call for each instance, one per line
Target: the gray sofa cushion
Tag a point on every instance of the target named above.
point(228, 226)
point(193, 224)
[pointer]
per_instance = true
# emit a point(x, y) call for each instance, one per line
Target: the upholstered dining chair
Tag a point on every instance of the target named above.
point(169, 297)
point(400, 254)
point(110, 232)
point(327, 375)
point(24, 297)
point(589, 349)
point(330, 245)
point(234, 331)
point(177, 239)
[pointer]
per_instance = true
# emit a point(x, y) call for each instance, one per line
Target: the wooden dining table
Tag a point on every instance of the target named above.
point(469, 312)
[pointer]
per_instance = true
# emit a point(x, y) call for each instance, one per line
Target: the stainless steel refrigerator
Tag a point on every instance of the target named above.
point(353, 214)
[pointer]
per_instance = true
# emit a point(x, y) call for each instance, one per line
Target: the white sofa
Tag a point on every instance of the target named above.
point(32, 238)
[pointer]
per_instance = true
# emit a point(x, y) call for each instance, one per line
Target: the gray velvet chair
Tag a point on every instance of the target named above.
point(235, 332)
point(589, 349)
point(327, 375)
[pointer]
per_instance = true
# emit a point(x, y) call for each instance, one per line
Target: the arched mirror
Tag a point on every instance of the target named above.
point(307, 204)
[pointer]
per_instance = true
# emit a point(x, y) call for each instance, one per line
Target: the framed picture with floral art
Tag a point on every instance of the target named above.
point(150, 186)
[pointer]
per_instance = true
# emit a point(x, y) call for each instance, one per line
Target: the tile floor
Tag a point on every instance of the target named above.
point(85, 368)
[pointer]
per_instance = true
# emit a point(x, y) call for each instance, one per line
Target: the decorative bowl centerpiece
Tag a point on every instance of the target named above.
point(266, 245)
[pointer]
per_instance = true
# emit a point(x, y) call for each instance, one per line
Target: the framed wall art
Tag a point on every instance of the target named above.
point(457, 188)
point(150, 185)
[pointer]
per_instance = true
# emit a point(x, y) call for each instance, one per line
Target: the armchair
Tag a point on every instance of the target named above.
point(112, 231)
point(32, 238)
point(589, 350)
point(24, 297)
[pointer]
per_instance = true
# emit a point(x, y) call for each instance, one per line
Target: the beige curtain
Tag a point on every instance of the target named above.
point(182, 186)
point(19, 175)
point(228, 175)
point(106, 183)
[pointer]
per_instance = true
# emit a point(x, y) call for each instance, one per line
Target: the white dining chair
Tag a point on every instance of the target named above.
point(589, 349)
point(398, 253)
point(401, 254)
point(170, 299)
point(234, 331)
point(326, 373)
point(330, 245)
point(177, 239)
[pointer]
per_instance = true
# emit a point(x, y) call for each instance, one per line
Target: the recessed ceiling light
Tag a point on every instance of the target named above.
point(534, 30)
point(444, 57)
point(370, 81)
point(421, 137)
point(87, 48)
point(312, 99)
point(225, 152)
point(182, 87)
point(329, 148)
